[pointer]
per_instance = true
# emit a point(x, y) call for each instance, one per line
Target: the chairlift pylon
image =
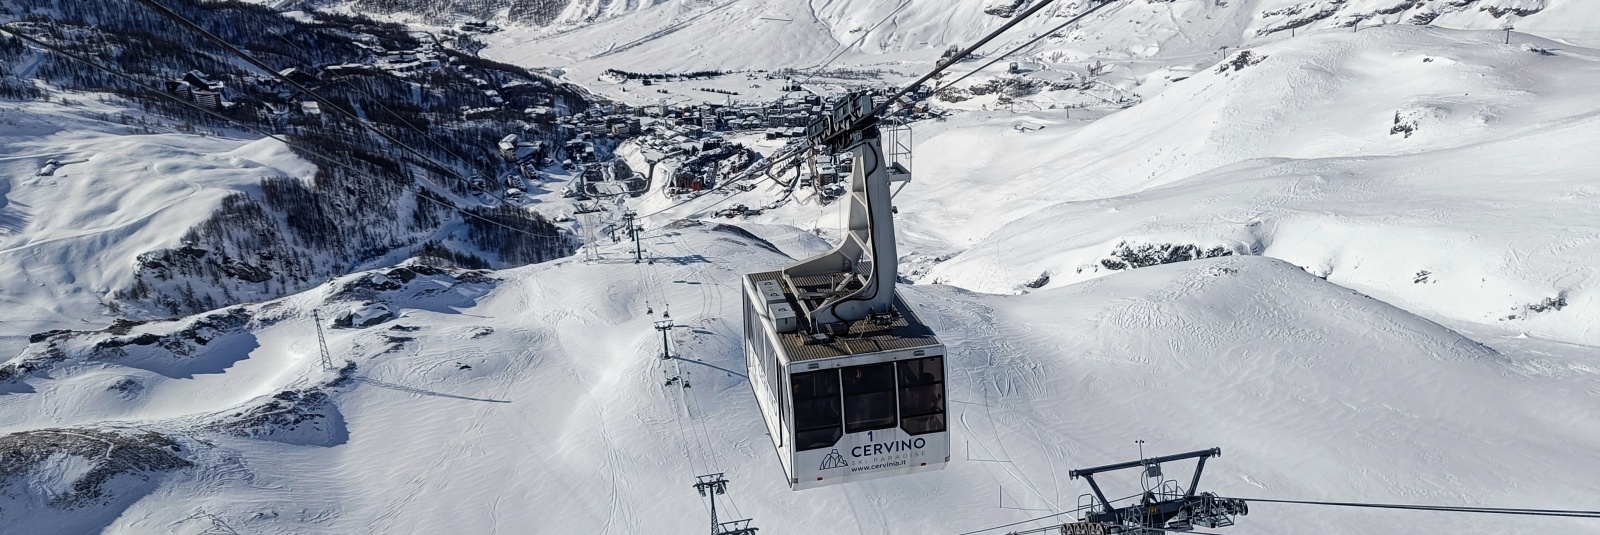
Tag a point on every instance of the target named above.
point(1167, 507)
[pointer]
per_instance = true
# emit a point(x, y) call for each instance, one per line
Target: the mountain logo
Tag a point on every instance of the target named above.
point(833, 460)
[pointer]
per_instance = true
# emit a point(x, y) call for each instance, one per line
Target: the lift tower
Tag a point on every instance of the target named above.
point(855, 279)
point(1166, 508)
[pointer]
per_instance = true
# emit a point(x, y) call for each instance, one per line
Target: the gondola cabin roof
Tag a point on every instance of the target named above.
point(901, 330)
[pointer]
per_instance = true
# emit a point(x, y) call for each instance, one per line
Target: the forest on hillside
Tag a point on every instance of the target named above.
point(370, 200)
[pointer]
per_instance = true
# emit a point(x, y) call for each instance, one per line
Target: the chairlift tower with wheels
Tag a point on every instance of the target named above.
point(591, 217)
point(849, 380)
point(1163, 508)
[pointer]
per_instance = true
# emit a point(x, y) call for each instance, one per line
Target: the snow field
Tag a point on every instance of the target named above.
point(1474, 222)
point(563, 423)
point(1480, 212)
point(68, 239)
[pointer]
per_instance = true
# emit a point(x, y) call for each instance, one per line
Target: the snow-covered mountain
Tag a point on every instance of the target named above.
point(118, 203)
point(1268, 250)
point(687, 35)
point(1263, 155)
point(129, 194)
point(532, 399)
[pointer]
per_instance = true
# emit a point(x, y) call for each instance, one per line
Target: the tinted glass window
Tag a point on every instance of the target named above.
point(816, 438)
point(921, 371)
point(821, 384)
point(816, 409)
point(816, 413)
point(868, 397)
point(922, 395)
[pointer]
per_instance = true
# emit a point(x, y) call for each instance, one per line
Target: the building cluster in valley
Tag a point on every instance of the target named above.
point(689, 124)
point(696, 134)
point(195, 87)
point(701, 138)
point(534, 129)
point(420, 66)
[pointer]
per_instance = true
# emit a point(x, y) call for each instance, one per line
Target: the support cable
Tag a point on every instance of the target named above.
point(1069, 22)
point(1165, 530)
point(688, 455)
point(858, 40)
point(375, 100)
point(955, 59)
point(257, 63)
point(1080, 508)
point(709, 445)
point(892, 99)
point(1566, 513)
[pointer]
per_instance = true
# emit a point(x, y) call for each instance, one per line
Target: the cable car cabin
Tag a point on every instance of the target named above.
point(850, 381)
point(864, 401)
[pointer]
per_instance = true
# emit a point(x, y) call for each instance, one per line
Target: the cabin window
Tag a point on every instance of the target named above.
point(750, 319)
point(868, 397)
point(816, 409)
point(922, 395)
point(780, 385)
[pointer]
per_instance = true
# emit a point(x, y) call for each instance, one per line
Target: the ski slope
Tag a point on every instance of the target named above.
point(69, 238)
point(1305, 157)
point(536, 402)
point(1139, 46)
point(1440, 170)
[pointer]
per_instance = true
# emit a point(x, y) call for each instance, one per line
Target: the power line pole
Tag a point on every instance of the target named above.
point(715, 484)
point(322, 343)
point(633, 231)
point(665, 326)
point(710, 486)
point(591, 227)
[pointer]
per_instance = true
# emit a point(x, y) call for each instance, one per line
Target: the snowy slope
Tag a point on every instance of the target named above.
point(1369, 158)
point(1136, 39)
point(1330, 129)
point(1441, 170)
point(537, 403)
point(68, 239)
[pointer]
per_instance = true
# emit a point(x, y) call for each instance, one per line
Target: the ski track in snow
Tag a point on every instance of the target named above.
point(1027, 403)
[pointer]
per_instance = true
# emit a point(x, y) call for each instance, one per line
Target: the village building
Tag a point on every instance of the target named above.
point(478, 113)
point(196, 87)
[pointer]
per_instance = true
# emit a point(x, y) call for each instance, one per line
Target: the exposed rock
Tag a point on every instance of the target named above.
point(304, 416)
point(103, 455)
point(1244, 58)
point(1127, 256)
point(363, 316)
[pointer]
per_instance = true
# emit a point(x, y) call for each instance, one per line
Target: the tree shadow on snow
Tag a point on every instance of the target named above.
point(684, 260)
